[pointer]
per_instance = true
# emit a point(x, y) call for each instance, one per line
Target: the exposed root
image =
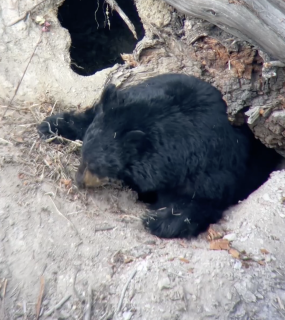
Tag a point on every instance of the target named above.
point(113, 4)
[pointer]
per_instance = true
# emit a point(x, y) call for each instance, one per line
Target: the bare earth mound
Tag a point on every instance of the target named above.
point(66, 254)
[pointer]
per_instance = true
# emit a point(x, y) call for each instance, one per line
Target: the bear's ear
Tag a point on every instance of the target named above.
point(109, 98)
point(135, 137)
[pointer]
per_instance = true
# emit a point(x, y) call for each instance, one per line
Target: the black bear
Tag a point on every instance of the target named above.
point(169, 139)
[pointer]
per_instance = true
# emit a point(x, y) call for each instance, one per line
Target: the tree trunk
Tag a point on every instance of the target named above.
point(259, 22)
point(262, 24)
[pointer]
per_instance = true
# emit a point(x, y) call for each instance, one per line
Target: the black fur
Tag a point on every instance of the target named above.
point(170, 140)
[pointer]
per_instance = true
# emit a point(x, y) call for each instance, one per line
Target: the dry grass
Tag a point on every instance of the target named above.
point(41, 159)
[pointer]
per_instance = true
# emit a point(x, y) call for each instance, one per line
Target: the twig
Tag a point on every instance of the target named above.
point(104, 228)
point(89, 304)
point(274, 64)
point(4, 288)
point(74, 288)
point(77, 142)
point(124, 291)
point(32, 147)
point(62, 215)
point(58, 305)
point(25, 309)
point(107, 315)
point(19, 83)
point(122, 14)
point(40, 298)
point(130, 216)
point(53, 108)
point(5, 141)
point(25, 14)
point(2, 297)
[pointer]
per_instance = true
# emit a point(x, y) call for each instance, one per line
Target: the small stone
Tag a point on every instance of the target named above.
point(246, 294)
point(237, 265)
point(150, 242)
point(127, 315)
point(229, 296)
point(266, 197)
point(259, 296)
point(230, 236)
point(164, 283)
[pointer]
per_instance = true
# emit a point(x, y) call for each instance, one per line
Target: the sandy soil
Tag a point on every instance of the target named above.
point(66, 254)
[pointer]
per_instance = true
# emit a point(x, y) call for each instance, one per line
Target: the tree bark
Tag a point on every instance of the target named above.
point(261, 22)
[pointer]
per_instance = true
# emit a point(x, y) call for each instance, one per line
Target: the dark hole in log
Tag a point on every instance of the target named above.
point(94, 45)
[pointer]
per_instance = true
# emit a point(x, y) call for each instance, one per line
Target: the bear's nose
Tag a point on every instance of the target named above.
point(86, 179)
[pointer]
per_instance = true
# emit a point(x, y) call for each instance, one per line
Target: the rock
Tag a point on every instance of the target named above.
point(127, 315)
point(230, 237)
point(245, 293)
point(164, 283)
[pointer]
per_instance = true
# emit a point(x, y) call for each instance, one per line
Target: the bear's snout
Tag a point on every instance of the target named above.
point(86, 179)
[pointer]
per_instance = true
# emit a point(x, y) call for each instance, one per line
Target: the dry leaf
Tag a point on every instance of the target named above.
point(184, 260)
point(264, 251)
point(221, 244)
point(214, 234)
point(183, 244)
point(18, 139)
point(49, 109)
point(129, 58)
point(234, 253)
point(261, 262)
point(67, 183)
point(128, 260)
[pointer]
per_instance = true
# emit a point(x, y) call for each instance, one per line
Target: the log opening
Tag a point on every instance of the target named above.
point(99, 35)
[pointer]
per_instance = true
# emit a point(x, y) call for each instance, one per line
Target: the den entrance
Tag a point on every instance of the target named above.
point(98, 34)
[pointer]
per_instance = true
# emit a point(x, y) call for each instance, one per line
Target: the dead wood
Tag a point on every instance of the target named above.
point(259, 22)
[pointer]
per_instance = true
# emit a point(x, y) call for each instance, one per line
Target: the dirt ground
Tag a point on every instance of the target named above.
point(69, 254)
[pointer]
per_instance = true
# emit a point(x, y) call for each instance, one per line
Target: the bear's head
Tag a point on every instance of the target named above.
point(109, 146)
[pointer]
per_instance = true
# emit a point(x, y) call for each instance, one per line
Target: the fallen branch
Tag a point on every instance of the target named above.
point(57, 306)
point(124, 290)
point(113, 4)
